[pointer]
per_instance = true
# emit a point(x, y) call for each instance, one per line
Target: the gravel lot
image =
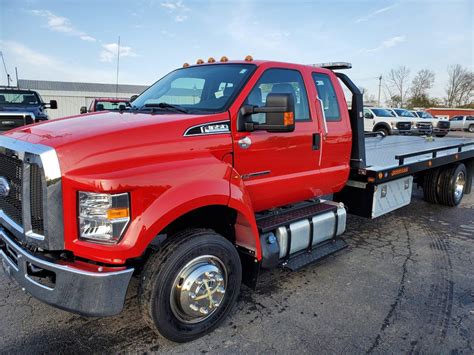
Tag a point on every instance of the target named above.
point(405, 284)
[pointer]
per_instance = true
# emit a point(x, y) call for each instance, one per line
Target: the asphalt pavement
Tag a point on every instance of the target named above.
point(405, 284)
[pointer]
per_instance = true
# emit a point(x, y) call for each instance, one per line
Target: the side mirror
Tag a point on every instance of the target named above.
point(279, 113)
point(133, 98)
point(53, 104)
point(83, 110)
point(368, 115)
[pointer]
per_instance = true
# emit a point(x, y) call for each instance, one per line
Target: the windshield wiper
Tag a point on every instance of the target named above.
point(165, 105)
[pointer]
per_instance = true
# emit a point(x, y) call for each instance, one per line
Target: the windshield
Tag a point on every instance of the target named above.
point(206, 88)
point(381, 112)
point(404, 113)
point(110, 105)
point(10, 97)
point(423, 114)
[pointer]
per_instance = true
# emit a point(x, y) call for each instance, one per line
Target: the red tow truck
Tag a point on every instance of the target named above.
point(217, 170)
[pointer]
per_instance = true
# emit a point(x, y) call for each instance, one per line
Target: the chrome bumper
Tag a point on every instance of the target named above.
point(74, 290)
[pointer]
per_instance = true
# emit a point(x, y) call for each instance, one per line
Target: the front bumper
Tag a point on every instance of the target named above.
point(74, 290)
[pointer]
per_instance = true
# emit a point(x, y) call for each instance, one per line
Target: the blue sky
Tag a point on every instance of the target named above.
point(76, 40)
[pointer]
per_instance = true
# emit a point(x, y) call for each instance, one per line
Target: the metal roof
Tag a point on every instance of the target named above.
point(76, 86)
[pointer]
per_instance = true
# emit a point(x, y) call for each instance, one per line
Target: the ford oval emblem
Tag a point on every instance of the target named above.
point(4, 187)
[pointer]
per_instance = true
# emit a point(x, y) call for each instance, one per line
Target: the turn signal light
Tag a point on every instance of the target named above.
point(288, 118)
point(200, 61)
point(224, 59)
point(115, 213)
point(211, 60)
point(248, 58)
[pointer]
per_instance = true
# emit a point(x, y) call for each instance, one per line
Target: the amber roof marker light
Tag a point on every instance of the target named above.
point(211, 60)
point(200, 61)
point(248, 58)
point(224, 59)
point(185, 65)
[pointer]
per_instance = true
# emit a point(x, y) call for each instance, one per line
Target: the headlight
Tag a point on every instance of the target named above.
point(393, 124)
point(103, 218)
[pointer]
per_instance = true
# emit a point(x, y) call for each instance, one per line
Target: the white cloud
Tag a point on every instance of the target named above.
point(178, 8)
point(62, 24)
point(173, 6)
point(87, 38)
point(180, 18)
point(33, 64)
point(110, 51)
point(375, 13)
point(388, 43)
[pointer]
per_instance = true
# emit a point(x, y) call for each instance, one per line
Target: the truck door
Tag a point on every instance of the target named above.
point(369, 119)
point(278, 168)
point(337, 135)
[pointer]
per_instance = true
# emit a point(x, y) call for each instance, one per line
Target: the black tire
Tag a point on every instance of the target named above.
point(447, 185)
point(471, 128)
point(385, 131)
point(161, 273)
point(440, 135)
point(430, 185)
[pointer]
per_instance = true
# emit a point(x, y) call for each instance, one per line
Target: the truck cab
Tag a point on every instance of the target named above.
point(382, 120)
point(106, 104)
point(20, 107)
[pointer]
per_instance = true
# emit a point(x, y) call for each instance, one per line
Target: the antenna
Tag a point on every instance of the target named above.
point(16, 73)
point(380, 87)
point(5, 67)
point(118, 66)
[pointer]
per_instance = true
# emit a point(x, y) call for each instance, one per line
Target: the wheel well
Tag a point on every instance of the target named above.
point(381, 125)
point(218, 218)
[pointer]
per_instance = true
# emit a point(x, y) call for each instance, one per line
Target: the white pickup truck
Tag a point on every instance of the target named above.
point(382, 120)
point(465, 123)
point(418, 126)
point(440, 126)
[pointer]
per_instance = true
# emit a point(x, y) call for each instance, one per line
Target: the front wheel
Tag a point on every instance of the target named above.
point(190, 285)
point(383, 130)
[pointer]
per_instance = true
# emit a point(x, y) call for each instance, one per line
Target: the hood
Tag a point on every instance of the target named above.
point(37, 110)
point(104, 138)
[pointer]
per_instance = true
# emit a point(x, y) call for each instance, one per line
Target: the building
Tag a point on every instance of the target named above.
point(71, 96)
point(447, 113)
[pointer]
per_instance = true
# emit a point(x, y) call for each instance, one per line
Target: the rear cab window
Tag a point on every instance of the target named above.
point(327, 94)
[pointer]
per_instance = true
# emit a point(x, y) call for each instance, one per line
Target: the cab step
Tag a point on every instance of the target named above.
point(287, 215)
point(318, 253)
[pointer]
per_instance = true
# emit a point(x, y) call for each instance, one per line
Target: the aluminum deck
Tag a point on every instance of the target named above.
point(381, 151)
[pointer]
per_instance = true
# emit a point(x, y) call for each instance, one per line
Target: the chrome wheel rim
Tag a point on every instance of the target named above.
point(199, 289)
point(459, 185)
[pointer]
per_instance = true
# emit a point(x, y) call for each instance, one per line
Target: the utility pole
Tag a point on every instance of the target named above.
point(118, 67)
point(380, 88)
point(6, 71)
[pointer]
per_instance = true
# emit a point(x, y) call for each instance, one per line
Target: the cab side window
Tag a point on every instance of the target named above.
point(280, 81)
point(327, 94)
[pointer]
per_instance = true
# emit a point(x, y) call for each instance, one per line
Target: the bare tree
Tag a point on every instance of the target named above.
point(421, 83)
point(397, 83)
point(460, 86)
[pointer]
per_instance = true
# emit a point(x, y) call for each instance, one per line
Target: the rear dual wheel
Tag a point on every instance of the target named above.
point(445, 186)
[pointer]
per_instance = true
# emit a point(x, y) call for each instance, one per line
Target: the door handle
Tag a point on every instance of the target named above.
point(316, 141)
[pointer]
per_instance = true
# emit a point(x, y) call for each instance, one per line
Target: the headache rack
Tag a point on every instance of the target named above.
point(333, 65)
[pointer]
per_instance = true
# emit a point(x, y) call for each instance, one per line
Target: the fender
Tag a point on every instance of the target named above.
point(159, 198)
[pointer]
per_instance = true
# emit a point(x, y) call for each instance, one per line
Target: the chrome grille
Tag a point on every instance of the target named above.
point(11, 168)
point(36, 199)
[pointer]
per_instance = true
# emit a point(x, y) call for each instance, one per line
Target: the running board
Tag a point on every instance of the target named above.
point(318, 253)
